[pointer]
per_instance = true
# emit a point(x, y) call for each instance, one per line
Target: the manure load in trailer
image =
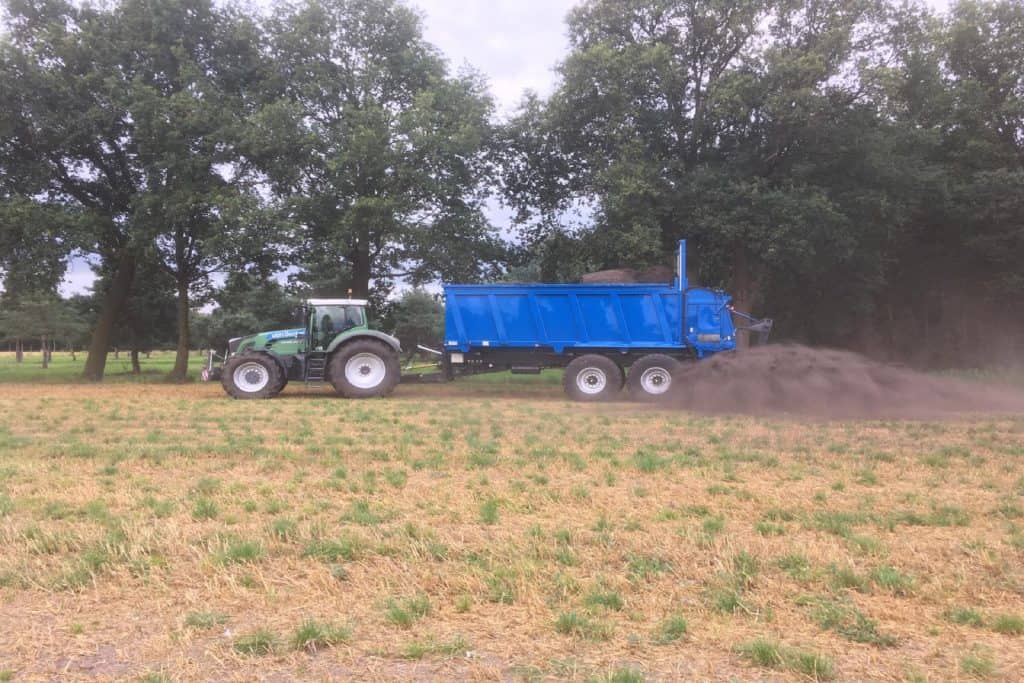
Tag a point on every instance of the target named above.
point(606, 336)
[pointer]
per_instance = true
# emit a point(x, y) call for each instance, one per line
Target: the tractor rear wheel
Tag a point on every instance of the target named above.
point(592, 378)
point(364, 369)
point(651, 377)
point(252, 376)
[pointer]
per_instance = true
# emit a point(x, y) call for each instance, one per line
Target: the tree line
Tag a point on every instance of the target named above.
point(853, 168)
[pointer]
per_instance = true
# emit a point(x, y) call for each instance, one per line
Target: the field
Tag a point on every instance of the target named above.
point(491, 530)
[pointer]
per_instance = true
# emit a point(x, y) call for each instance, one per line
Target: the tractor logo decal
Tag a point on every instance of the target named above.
point(286, 334)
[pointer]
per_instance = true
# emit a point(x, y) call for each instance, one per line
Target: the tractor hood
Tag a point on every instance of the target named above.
point(263, 339)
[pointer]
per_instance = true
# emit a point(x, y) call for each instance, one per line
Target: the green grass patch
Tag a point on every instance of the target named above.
point(581, 626)
point(1008, 624)
point(844, 618)
point(313, 635)
point(964, 616)
point(670, 629)
point(259, 642)
point(770, 654)
point(405, 612)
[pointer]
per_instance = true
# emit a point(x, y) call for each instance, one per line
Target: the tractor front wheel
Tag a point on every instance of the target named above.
point(252, 376)
point(364, 369)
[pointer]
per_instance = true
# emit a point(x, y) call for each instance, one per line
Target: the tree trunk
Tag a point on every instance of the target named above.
point(44, 349)
point(180, 370)
point(113, 301)
point(133, 353)
point(742, 289)
point(19, 351)
point(360, 283)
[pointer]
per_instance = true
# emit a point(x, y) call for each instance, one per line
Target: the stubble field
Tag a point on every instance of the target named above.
point(494, 531)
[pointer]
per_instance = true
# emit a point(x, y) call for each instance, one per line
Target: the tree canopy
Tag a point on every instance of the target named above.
point(853, 168)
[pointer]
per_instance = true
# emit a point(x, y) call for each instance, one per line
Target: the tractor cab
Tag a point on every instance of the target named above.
point(325, 319)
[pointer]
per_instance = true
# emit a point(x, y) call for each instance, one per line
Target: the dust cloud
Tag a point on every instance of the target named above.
point(797, 380)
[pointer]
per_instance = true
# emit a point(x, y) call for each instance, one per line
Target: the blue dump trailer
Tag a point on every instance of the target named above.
point(606, 336)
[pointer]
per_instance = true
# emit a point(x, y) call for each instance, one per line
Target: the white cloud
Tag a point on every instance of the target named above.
point(515, 43)
point(78, 278)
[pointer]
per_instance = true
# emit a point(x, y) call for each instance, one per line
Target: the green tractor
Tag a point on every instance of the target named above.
point(336, 345)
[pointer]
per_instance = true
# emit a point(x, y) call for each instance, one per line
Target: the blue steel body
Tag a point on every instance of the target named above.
point(600, 316)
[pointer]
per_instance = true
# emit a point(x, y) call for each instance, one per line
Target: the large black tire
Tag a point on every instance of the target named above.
point(652, 376)
point(593, 378)
point(252, 376)
point(364, 368)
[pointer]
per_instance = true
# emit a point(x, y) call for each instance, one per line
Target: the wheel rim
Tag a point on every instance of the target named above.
point(591, 381)
point(655, 380)
point(365, 370)
point(251, 377)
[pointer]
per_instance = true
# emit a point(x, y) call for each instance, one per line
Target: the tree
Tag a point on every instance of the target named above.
point(418, 319)
point(248, 302)
point(149, 320)
point(757, 129)
point(43, 316)
point(122, 118)
point(379, 153)
point(33, 246)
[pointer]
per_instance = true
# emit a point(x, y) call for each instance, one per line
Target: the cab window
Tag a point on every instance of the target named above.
point(330, 321)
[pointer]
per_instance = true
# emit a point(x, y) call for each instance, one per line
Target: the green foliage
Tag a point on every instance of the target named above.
point(127, 117)
point(808, 157)
point(418, 318)
point(377, 149)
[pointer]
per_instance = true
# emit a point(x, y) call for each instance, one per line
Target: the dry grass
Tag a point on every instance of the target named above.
point(488, 531)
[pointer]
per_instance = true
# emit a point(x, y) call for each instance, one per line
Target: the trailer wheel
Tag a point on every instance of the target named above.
point(592, 378)
point(252, 376)
point(364, 369)
point(652, 376)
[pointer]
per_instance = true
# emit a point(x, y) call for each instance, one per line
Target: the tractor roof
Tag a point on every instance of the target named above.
point(336, 302)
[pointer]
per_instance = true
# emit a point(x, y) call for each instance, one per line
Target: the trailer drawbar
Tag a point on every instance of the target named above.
point(606, 336)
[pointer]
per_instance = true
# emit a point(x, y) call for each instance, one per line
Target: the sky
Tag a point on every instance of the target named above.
point(515, 43)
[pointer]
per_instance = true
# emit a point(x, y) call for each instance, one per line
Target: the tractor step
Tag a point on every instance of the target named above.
point(316, 369)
